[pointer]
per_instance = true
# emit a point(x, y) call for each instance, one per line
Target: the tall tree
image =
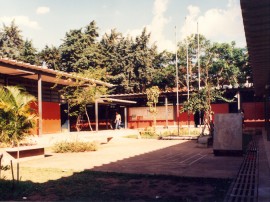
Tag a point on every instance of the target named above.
point(11, 41)
point(165, 71)
point(80, 49)
point(51, 57)
point(143, 58)
point(28, 53)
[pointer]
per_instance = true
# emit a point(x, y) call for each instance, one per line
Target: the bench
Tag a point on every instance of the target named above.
point(26, 151)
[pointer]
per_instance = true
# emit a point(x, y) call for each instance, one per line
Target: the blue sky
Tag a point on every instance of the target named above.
point(45, 22)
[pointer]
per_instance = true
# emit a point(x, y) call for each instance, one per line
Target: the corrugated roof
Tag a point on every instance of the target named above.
point(26, 70)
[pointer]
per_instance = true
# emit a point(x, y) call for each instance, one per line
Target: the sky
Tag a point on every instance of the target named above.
point(46, 22)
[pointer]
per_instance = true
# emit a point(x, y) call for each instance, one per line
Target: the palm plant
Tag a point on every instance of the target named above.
point(16, 116)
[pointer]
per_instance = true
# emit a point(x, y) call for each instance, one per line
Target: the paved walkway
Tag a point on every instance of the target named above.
point(170, 157)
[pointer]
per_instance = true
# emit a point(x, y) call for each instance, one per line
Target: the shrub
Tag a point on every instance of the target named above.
point(76, 146)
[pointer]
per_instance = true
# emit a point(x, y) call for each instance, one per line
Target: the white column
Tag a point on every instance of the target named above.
point(96, 113)
point(166, 108)
point(125, 114)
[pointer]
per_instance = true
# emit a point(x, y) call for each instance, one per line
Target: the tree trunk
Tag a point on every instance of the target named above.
point(78, 122)
point(89, 122)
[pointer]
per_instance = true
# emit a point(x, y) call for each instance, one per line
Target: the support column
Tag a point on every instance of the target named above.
point(166, 108)
point(267, 115)
point(96, 114)
point(39, 105)
point(125, 114)
point(238, 102)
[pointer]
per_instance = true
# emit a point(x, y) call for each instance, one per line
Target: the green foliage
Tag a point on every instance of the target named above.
point(84, 91)
point(198, 101)
point(28, 53)
point(182, 132)
point(74, 146)
point(133, 64)
point(149, 133)
point(11, 41)
point(17, 119)
point(80, 50)
point(51, 56)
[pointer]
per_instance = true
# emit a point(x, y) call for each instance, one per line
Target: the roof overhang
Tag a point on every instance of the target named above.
point(114, 101)
point(256, 19)
point(13, 68)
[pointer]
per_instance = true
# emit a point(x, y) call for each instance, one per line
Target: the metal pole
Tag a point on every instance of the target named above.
point(177, 87)
point(198, 57)
point(199, 67)
point(188, 86)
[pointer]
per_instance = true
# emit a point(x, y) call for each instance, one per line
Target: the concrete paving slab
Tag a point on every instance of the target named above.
point(144, 156)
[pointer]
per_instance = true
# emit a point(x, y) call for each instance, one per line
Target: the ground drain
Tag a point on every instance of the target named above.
point(245, 186)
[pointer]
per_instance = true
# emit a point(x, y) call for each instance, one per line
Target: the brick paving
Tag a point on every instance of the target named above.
point(144, 156)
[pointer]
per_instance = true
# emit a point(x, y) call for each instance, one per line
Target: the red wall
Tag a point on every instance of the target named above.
point(220, 108)
point(183, 118)
point(51, 118)
point(253, 114)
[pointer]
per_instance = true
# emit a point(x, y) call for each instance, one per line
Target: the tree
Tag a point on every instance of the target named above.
point(51, 57)
point(152, 97)
point(217, 69)
point(81, 93)
point(11, 41)
point(164, 71)
point(28, 53)
point(17, 118)
point(80, 49)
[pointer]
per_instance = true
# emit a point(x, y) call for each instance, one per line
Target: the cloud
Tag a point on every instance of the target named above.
point(219, 25)
point(20, 21)
point(157, 27)
point(42, 10)
point(158, 24)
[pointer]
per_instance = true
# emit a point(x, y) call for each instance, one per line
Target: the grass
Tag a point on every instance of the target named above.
point(103, 186)
point(74, 146)
point(149, 133)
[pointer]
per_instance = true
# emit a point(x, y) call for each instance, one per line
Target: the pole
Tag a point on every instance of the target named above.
point(199, 67)
point(198, 57)
point(188, 86)
point(177, 87)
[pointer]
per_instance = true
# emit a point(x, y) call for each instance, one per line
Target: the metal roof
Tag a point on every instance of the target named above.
point(256, 19)
point(26, 70)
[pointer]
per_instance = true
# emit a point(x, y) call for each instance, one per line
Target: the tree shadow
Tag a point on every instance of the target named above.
point(174, 173)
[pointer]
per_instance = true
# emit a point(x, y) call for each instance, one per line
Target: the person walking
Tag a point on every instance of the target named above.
point(117, 120)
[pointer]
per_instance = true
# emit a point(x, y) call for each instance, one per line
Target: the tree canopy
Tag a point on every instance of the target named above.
point(133, 64)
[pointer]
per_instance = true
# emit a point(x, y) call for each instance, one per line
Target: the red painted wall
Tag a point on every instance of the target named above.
point(253, 114)
point(220, 108)
point(51, 120)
